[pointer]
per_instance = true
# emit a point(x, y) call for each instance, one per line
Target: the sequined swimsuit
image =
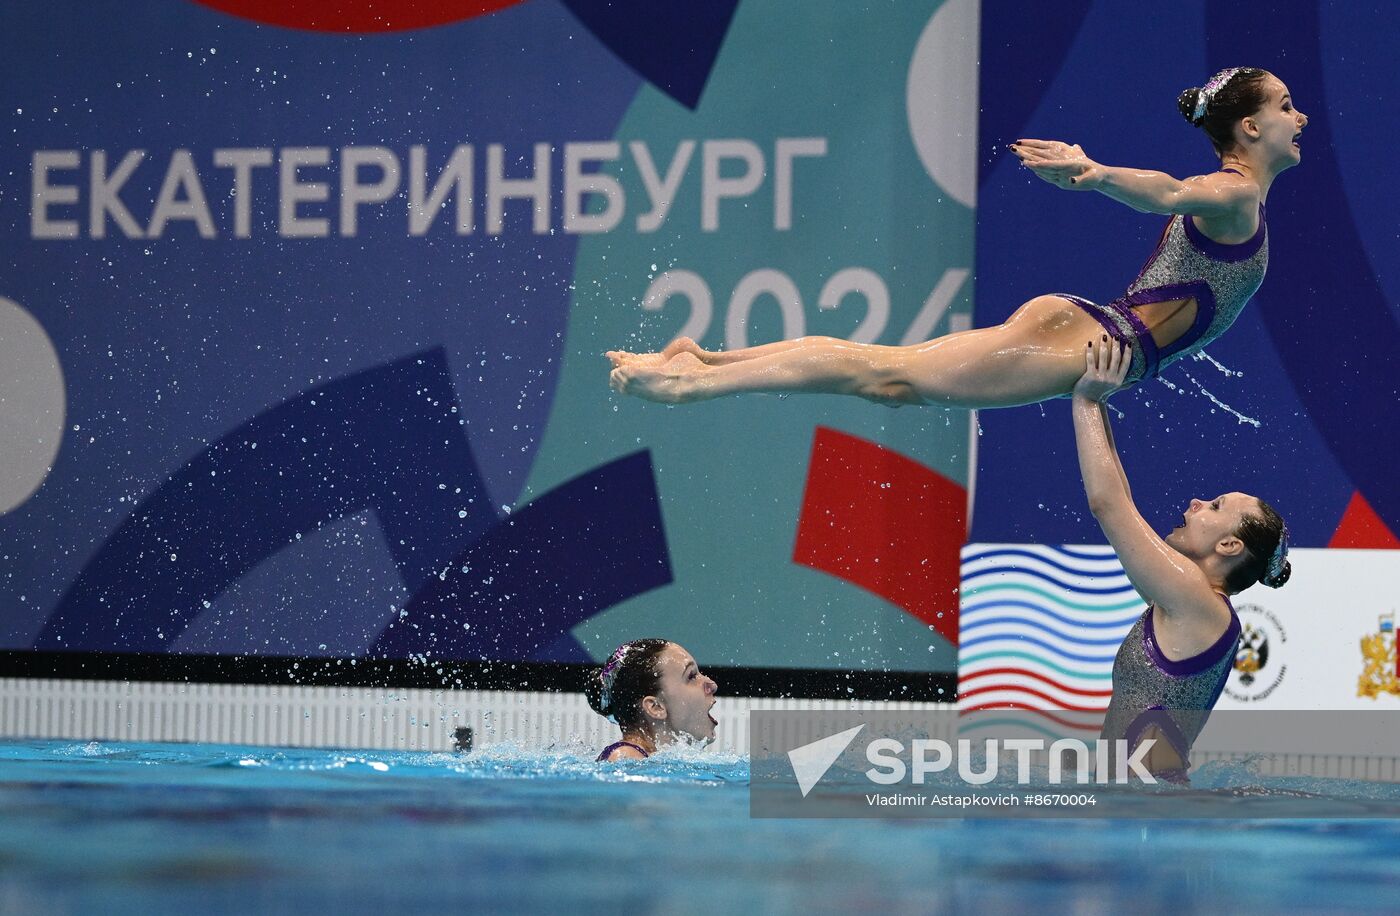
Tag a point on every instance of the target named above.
point(1186, 265)
point(1176, 696)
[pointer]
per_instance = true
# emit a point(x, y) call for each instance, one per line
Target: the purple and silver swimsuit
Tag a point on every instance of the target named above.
point(1186, 265)
point(1176, 696)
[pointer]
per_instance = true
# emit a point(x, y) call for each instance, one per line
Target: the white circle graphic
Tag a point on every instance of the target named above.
point(941, 99)
point(32, 405)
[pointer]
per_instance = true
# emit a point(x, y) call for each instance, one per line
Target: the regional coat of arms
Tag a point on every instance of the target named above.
point(1378, 654)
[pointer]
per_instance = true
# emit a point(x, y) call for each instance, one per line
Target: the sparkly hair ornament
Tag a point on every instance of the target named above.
point(608, 677)
point(1209, 90)
point(1280, 555)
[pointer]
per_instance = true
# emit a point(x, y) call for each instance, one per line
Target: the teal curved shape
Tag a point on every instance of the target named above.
point(731, 473)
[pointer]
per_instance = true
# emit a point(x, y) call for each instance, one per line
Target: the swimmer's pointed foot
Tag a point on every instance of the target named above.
point(678, 381)
point(683, 345)
point(625, 358)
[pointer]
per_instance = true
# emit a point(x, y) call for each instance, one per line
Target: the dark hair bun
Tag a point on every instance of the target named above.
point(633, 675)
point(1282, 577)
point(593, 690)
point(1186, 104)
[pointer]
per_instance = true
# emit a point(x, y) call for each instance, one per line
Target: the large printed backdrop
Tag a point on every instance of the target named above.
point(302, 317)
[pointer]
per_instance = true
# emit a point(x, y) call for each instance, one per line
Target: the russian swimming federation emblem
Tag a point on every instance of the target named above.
point(1258, 667)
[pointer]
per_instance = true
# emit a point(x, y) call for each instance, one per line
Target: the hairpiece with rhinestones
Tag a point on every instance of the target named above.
point(608, 676)
point(1280, 555)
point(1209, 90)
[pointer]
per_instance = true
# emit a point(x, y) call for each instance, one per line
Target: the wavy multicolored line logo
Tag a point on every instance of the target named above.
point(1039, 627)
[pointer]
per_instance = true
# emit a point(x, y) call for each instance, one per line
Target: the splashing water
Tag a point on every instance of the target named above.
point(1221, 404)
point(1213, 399)
point(1227, 372)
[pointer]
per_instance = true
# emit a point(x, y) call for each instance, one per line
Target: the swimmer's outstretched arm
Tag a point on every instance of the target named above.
point(1219, 194)
point(1160, 574)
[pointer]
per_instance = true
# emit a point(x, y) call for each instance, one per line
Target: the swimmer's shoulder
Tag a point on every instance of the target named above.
point(626, 752)
point(1225, 207)
point(622, 751)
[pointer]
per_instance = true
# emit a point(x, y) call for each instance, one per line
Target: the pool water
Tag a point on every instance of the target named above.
point(143, 828)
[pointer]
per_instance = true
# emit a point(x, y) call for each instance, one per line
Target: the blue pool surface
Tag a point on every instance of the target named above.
point(147, 828)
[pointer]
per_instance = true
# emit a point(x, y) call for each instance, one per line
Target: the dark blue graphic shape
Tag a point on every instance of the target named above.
point(388, 439)
point(1006, 48)
point(582, 547)
point(672, 45)
point(1336, 335)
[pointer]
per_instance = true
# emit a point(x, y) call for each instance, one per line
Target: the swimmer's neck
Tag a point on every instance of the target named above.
point(650, 741)
point(1244, 162)
point(641, 739)
point(1210, 567)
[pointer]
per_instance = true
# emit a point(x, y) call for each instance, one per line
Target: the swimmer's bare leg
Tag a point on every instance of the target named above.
point(1035, 355)
point(822, 365)
point(709, 357)
point(725, 357)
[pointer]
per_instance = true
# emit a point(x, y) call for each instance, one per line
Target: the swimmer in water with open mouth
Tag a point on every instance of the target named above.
point(654, 691)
